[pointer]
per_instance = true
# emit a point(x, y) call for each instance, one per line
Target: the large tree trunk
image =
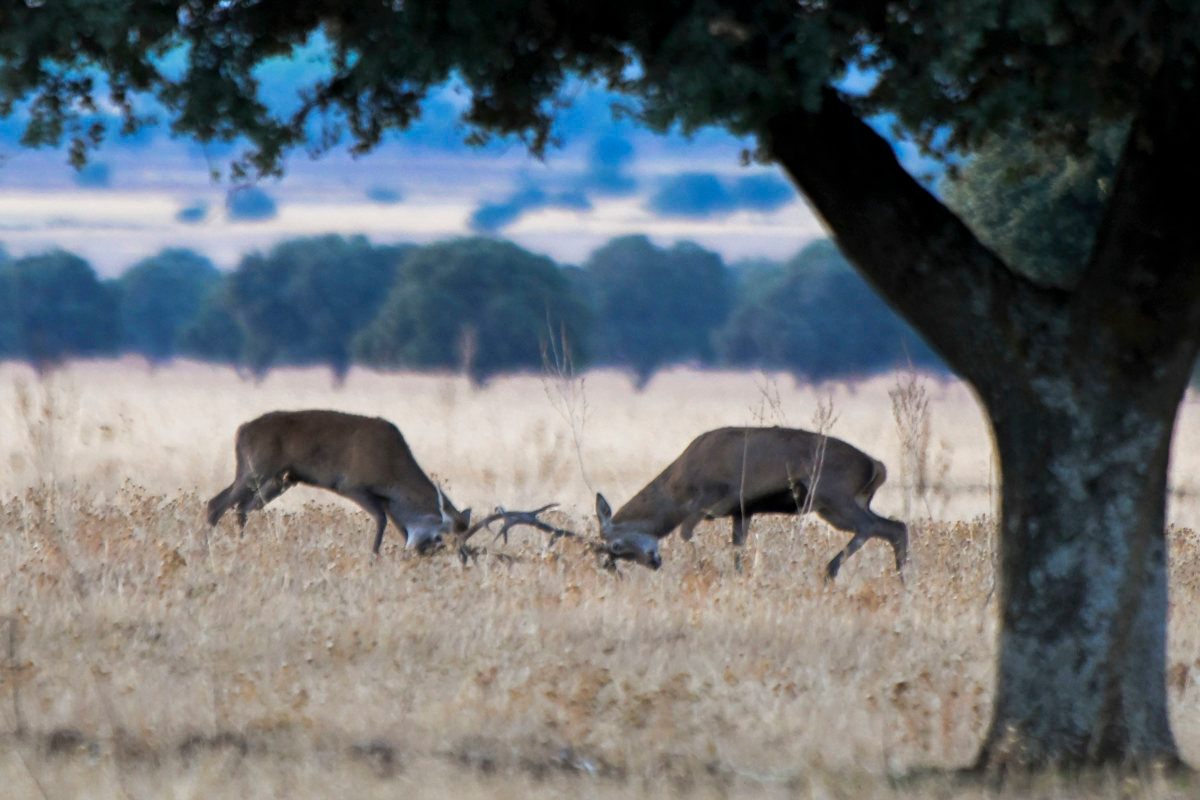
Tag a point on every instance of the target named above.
point(1081, 676)
point(1082, 386)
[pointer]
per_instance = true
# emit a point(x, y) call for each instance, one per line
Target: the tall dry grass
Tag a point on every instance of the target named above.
point(144, 655)
point(171, 430)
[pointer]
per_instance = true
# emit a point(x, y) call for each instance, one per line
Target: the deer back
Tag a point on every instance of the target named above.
point(722, 466)
point(334, 450)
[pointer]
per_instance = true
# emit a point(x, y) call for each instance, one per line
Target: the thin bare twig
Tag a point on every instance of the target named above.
point(823, 421)
point(566, 391)
point(910, 410)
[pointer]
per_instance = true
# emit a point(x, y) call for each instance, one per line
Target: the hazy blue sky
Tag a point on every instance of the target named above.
point(610, 177)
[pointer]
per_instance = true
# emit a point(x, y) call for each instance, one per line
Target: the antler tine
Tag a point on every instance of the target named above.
point(515, 518)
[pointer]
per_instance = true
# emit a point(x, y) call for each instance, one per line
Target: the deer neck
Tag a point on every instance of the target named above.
point(651, 511)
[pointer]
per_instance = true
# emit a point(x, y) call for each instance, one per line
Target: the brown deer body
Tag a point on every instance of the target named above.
point(740, 472)
point(364, 459)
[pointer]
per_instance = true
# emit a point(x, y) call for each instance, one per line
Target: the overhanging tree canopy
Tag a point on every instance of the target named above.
point(1081, 380)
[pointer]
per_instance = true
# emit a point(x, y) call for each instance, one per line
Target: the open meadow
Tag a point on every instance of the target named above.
point(143, 654)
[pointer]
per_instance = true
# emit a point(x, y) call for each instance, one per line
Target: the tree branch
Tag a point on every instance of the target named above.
point(1140, 293)
point(984, 319)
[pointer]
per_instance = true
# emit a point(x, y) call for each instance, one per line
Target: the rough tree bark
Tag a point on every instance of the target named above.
point(1082, 668)
point(1081, 386)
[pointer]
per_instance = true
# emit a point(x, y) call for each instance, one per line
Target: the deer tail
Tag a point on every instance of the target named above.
point(876, 478)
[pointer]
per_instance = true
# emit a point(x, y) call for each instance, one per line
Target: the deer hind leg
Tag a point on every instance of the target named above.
point(258, 495)
point(223, 500)
point(233, 494)
point(238, 494)
point(865, 525)
point(892, 531)
point(852, 547)
point(897, 536)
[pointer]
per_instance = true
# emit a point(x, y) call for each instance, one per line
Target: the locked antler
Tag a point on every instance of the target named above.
point(511, 520)
point(515, 518)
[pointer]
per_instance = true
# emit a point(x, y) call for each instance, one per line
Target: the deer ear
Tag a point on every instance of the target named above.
point(603, 512)
point(465, 514)
point(441, 504)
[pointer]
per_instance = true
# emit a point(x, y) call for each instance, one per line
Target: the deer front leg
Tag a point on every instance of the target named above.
point(374, 505)
point(687, 528)
point(741, 527)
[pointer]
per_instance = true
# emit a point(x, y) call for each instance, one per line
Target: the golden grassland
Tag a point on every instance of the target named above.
point(145, 655)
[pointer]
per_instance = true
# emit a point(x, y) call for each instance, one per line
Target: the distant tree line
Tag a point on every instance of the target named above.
point(480, 305)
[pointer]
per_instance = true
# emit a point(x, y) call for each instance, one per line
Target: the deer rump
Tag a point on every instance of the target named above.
point(740, 472)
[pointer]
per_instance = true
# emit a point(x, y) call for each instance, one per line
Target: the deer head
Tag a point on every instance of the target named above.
point(626, 542)
point(430, 531)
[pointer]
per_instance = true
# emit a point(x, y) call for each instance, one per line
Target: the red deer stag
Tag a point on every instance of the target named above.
point(364, 459)
point(740, 472)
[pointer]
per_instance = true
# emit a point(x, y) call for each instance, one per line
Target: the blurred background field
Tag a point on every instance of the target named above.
point(146, 655)
point(510, 441)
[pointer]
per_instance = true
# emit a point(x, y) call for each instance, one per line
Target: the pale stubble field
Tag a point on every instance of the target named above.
point(143, 655)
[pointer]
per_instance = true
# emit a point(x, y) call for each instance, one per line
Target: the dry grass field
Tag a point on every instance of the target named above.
point(143, 655)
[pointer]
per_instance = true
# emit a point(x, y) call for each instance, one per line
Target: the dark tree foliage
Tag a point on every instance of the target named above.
point(1038, 206)
point(749, 271)
point(304, 301)
point(160, 295)
point(1082, 381)
point(817, 318)
point(656, 306)
point(483, 305)
point(8, 310)
point(57, 308)
point(213, 334)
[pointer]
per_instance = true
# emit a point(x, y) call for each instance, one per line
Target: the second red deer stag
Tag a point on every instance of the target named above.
point(740, 472)
point(364, 459)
